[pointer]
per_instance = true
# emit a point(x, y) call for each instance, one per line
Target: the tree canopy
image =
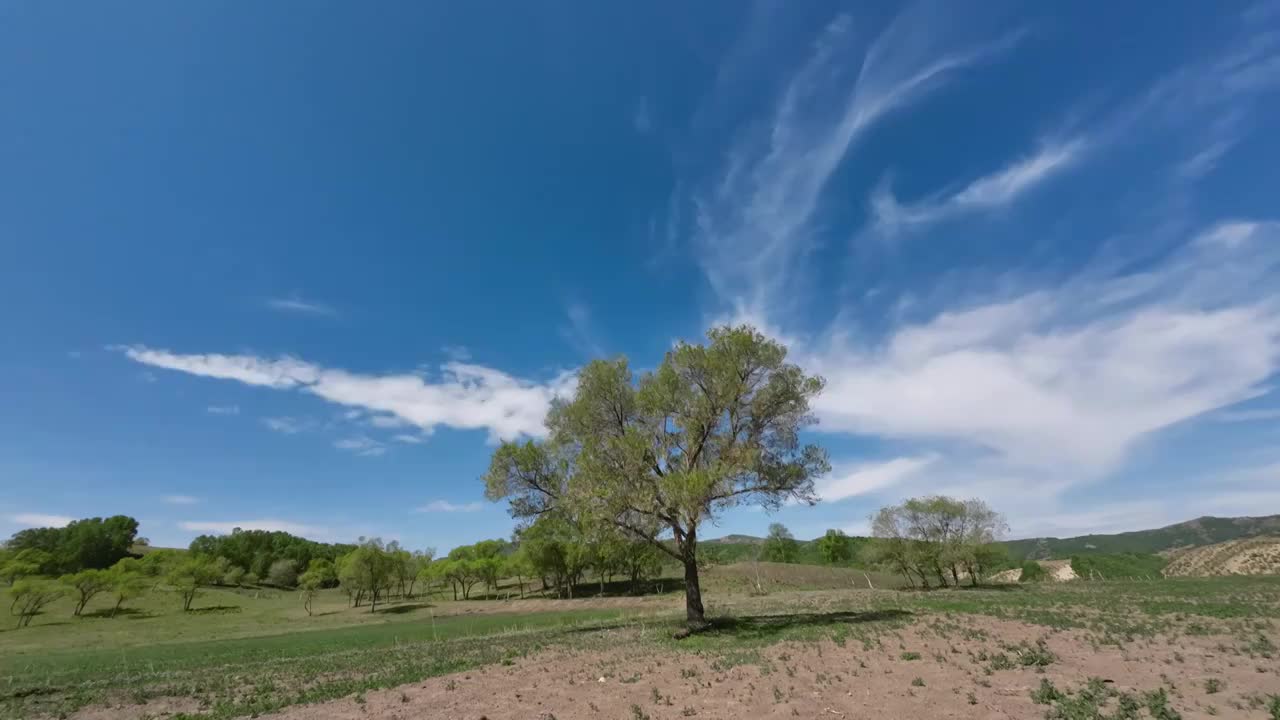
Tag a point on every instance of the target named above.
point(714, 426)
point(937, 537)
point(88, 544)
point(257, 550)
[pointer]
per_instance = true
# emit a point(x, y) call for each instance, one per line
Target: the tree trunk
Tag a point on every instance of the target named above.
point(695, 616)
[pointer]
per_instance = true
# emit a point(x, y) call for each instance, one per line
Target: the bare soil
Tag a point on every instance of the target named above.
point(921, 672)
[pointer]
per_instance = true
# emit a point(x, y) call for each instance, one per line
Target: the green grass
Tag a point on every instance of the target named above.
point(258, 654)
point(1118, 566)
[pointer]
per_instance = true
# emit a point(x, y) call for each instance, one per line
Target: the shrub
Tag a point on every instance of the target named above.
point(1033, 571)
point(283, 573)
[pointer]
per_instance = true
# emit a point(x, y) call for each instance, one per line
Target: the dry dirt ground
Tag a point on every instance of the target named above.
point(932, 669)
point(1247, 556)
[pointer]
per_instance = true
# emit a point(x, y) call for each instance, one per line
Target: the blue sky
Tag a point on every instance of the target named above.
point(299, 266)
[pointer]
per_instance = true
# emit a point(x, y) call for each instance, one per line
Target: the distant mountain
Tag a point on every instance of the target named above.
point(1192, 533)
point(735, 540)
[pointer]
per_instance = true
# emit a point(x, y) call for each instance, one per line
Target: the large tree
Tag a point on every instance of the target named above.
point(714, 426)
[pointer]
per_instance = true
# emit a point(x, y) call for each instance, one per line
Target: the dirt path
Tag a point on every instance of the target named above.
point(921, 672)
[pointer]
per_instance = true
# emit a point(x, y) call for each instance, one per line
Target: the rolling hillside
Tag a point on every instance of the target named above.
point(1193, 533)
point(1247, 556)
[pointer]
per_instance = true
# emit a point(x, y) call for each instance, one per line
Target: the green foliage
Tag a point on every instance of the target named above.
point(1033, 571)
point(1046, 694)
point(713, 427)
point(1201, 531)
point(780, 545)
point(30, 595)
point(258, 550)
point(1118, 566)
point(127, 582)
point(836, 548)
point(185, 578)
point(283, 573)
point(556, 550)
point(17, 564)
point(89, 544)
point(937, 539)
point(85, 584)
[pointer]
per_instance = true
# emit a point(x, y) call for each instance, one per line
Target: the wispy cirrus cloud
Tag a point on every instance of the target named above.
point(297, 305)
point(180, 499)
point(223, 409)
point(754, 225)
point(464, 396)
point(362, 445)
point(38, 520)
point(579, 332)
point(986, 193)
point(865, 478)
point(1248, 415)
point(288, 425)
point(444, 506)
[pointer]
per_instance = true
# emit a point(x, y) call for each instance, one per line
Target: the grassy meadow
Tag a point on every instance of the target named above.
point(248, 652)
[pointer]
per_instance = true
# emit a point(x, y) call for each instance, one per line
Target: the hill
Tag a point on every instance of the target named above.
point(1193, 533)
point(1246, 556)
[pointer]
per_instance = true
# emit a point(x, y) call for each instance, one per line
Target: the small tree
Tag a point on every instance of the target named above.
point(126, 584)
point(309, 584)
point(780, 545)
point(31, 595)
point(835, 548)
point(283, 573)
point(233, 576)
point(715, 426)
point(936, 538)
point(186, 578)
point(250, 579)
point(85, 584)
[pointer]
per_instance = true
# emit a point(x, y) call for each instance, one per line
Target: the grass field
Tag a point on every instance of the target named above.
point(248, 653)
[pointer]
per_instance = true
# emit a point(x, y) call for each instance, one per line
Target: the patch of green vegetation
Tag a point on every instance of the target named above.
point(1033, 571)
point(1201, 531)
point(274, 671)
point(1118, 566)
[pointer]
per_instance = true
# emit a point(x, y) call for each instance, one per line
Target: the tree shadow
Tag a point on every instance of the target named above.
point(216, 610)
point(131, 613)
point(994, 587)
point(748, 627)
point(403, 609)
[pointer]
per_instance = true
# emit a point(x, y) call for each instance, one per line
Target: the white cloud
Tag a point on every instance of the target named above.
point(180, 499)
point(448, 507)
point(578, 332)
point(38, 520)
point(223, 409)
point(1251, 415)
point(281, 373)
point(1069, 379)
point(986, 193)
point(297, 305)
point(753, 226)
point(287, 425)
point(361, 445)
point(845, 483)
point(226, 527)
point(465, 396)
point(409, 439)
